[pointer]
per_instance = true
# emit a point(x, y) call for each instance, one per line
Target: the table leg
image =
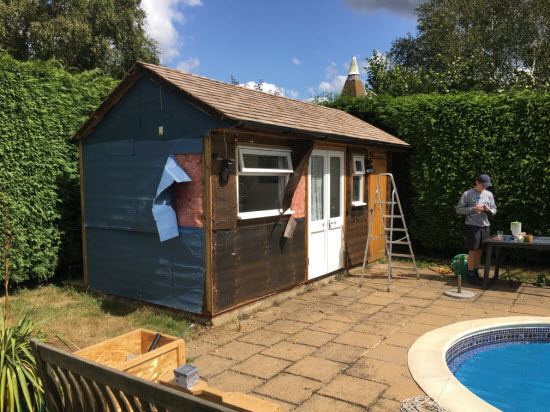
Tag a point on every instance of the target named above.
point(487, 266)
point(498, 259)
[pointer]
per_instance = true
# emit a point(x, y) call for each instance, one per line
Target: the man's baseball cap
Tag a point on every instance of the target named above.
point(484, 180)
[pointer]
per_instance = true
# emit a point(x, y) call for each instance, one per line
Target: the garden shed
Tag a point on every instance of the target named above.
point(206, 196)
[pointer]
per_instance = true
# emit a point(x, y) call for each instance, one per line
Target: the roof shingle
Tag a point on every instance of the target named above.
point(242, 104)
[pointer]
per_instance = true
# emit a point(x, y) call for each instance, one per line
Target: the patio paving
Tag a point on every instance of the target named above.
point(341, 347)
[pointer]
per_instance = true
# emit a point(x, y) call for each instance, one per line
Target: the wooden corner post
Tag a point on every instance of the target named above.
point(83, 214)
point(207, 216)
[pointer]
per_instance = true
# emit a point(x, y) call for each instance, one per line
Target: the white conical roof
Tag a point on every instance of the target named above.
point(353, 69)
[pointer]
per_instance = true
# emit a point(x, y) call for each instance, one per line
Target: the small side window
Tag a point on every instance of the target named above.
point(358, 182)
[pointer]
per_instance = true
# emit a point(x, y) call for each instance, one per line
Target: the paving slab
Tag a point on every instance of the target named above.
point(238, 350)
point(343, 347)
point(388, 353)
point(354, 390)
point(311, 337)
point(287, 326)
point(385, 405)
point(235, 382)
point(262, 366)
point(405, 340)
point(289, 351)
point(263, 337)
point(330, 326)
point(403, 388)
point(319, 403)
point(316, 368)
point(339, 353)
point(289, 388)
point(363, 340)
point(375, 328)
point(210, 366)
point(376, 370)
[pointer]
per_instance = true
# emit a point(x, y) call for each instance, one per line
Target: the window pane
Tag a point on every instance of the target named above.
point(335, 187)
point(261, 161)
point(358, 166)
point(317, 189)
point(260, 193)
point(357, 180)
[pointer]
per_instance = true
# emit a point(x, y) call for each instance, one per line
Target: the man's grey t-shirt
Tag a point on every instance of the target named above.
point(470, 199)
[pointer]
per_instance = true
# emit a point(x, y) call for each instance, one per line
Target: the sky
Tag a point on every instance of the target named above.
point(302, 47)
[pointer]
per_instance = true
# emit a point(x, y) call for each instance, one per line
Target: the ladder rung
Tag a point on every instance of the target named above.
point(401, 255)
point(385, 203)
point(398, 242)
point(402, 267)
point(396, 229)
point(399, 216)
point(377, 237)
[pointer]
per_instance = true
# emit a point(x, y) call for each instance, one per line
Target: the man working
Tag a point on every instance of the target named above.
point(477, 204)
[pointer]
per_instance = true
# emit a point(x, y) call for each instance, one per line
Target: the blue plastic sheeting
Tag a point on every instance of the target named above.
point(137, 266)
point(123, 157)
point(163, 206)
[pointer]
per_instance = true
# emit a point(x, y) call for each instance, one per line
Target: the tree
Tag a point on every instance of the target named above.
point(84, 34)
point(488, 45)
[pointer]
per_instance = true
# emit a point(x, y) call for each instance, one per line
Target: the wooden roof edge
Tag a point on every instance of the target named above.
point(135, 72)
point(284, 130)
point(127, 81)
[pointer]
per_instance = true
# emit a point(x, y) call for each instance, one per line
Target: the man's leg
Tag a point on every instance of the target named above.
point(477, 260)
point(472, 256)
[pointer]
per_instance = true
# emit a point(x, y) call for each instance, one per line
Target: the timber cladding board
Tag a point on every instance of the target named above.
point(224, 194)
point(252, 262)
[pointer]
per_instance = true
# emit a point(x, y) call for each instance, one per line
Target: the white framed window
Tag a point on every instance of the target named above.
point(262, 175)
point(358, 181)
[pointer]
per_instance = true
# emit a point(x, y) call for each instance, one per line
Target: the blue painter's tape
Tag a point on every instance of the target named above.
point(163, 205)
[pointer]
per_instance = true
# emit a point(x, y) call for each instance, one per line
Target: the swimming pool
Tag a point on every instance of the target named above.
point(486, 364)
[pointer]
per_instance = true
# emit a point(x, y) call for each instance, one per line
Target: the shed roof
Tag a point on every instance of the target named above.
point(250, 108)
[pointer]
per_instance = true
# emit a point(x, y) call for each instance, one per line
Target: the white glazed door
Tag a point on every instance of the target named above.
point(326, 217)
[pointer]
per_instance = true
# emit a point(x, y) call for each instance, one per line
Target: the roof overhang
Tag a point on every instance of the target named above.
point(138, 70)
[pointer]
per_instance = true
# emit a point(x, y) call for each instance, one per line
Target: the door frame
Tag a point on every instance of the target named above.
point(327, 222)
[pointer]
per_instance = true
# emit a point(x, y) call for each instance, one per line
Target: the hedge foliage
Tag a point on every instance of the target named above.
point(41, 106)
point(456, 137)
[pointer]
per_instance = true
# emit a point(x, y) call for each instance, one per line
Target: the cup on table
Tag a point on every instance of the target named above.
point(499, 234)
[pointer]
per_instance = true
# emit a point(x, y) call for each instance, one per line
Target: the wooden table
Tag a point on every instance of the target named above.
point(539, 242)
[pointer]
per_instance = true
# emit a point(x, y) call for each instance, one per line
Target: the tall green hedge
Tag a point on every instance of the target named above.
point(41, 106)
point(457, 137)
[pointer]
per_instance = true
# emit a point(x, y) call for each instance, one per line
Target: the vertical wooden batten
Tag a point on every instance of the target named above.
point(207, 216)
point(83, 214)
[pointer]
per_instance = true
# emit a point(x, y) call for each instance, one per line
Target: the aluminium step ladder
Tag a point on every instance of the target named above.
point(390, 230)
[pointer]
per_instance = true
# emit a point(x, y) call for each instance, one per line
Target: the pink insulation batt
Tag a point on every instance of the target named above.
point(299, 198)
point(189, 194)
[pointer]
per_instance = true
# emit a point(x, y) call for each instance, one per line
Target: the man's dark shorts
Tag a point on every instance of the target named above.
point(475, 235)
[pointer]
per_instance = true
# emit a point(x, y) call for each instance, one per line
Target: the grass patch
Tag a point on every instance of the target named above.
point(83, 319)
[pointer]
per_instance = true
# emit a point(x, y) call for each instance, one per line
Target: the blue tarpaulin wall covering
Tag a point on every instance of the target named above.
point(163, 206)
point(125, 158)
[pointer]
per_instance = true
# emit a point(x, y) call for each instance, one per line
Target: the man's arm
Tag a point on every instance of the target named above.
point(492, 208)
point(461, 208)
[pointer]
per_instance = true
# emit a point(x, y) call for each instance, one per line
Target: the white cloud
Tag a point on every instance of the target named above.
point(401, 7)
point(271, 89)
point(334, 81)
point(189, 66)
point(296, 61)
point(162, 15)
point(335, 86)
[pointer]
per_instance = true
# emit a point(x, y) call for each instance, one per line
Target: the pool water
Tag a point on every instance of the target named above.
point(511, 378)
